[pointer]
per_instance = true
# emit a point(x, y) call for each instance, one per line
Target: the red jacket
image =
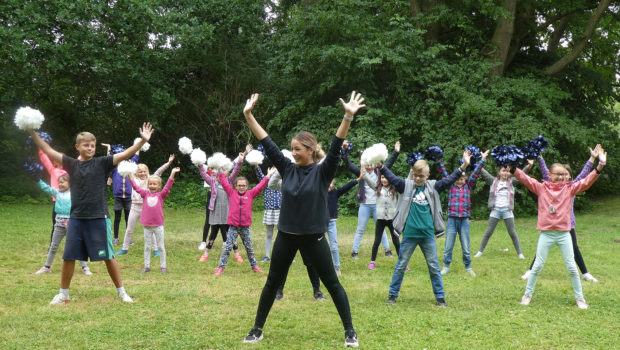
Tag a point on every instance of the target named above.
point(240, 206)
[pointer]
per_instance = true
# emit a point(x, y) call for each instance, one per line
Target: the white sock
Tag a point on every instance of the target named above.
point(120, 289)
point(64, 291)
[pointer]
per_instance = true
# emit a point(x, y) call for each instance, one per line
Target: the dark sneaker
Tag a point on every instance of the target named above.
point(265, 259)
point(355, 255)
point(145, 270)
point(318, 296)
point(391, 299)
point(441, 302)
point(388, 253)
point(279, 294)
point(254, 336)
point(350, 339)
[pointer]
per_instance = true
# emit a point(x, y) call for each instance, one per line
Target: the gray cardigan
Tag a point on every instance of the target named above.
point(386, 202)
point(512, 181)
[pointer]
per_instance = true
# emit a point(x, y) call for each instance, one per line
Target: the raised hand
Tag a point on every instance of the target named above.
point(174, 171)
point(355, 104)
point(171, 159)
point(345, 144)
point(361, 172)
point(530, 162)
point(271, 171)
point(602, 156)
point(397, 146)
point(249, 104)
point(146, 131)
point(248, 148)
point(241, 156)
point(466, 158)
point(485, 154)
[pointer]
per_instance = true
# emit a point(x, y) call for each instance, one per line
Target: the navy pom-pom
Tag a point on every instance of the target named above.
point(508, 155)
point(262, 150)
point(45, 136)
point(114, 149)
point(347, 150)
point(475, 157)
point(413, 157)
point(33, 168)
point(535, 147)
point(433, 153)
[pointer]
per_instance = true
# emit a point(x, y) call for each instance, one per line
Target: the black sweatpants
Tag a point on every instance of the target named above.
point(379, 228)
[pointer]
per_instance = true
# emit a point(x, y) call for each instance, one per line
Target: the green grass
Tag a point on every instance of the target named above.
point(190, 308)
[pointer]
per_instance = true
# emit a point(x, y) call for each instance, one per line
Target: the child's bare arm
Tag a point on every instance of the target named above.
point(174, 172)
point(145, 132)
point(54, 155)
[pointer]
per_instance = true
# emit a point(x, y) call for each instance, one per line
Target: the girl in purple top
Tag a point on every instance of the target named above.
point(584, 172)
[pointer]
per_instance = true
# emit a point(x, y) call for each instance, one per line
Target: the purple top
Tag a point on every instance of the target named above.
point(121, 186)
point(584, 172)
point(212, 180)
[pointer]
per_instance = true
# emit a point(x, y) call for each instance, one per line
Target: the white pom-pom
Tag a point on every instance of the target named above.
point(146, 145)
point(375, 154)
point(185, 145)
point(229, 165)
point(288, 155)
point(28, 118)
point(198, 156)
point(218, 161)
point(126, 167)
point(255, 157)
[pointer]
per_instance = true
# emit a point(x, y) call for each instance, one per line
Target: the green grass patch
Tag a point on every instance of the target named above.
point(192, 309)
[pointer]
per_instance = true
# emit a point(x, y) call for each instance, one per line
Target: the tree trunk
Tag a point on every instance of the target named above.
point(558, 33)
point(581, 43)
point(497, 51)
point(523, 28)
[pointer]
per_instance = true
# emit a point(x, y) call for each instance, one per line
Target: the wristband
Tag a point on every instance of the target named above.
point(602, 163)
point(597, 171)
point(349, 119)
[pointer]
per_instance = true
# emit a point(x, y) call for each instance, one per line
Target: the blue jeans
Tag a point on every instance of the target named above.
point(363, 214)
point(429, 249)
point(460, 225)
point(332, 233)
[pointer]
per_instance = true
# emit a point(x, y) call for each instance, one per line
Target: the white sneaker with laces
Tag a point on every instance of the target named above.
point(526, 299)
point(521, 256)
point(60, 299)
point(87, 271)
point(479, 254)
point(581, 303)
point(43, 270)
point(125, 297)
point(526, 275)
point(588, 277)
point(202, 246)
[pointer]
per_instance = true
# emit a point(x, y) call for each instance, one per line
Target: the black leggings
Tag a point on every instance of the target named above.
point(213, 236)
point(205, 228)
point(117, 220)
point(315, 251)
point(379, 228)
point(53, 220)
point(578, 258)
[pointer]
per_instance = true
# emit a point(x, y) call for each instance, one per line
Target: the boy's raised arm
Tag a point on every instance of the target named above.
point(54, 155)
point(145, 133)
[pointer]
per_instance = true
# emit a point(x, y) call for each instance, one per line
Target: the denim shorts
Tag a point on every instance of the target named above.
point(502, 213)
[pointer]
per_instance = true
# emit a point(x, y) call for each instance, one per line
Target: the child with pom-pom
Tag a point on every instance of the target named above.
point(584, 172)
point(141, 178)
point(240, 216)
point(273, 202)
point(419, 217)
point(62, 206)
point(87, 235)
point(459, 211)
point(554, 221)
point(152, 216)
point(501, 203)
point(367, 199)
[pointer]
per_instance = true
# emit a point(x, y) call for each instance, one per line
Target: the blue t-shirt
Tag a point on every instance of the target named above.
point(420, 221)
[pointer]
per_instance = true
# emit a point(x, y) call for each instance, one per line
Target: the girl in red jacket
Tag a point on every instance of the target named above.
point(240, 216)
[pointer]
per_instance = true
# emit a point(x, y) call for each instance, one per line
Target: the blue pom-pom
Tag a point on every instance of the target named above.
point(508, 155)
point(262, 150)
point(114, 149)
point(32, 167)
point(413, 157)
point(433, 153)
point(347, 150)
point(45, 136)
point(535, 147)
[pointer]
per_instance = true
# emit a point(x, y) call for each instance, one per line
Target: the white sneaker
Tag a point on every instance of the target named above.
point(526, 299)
point(60, 299)
point(526, 275)
point(479, 254)
point(581, 303)
point(87, 271)
point(43, 270)
point(588, 277)
point(521, 256)
point(202, 246)
point(125, 297)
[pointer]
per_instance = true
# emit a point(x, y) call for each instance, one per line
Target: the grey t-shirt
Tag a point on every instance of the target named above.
point(370, 196)
point(89, 188)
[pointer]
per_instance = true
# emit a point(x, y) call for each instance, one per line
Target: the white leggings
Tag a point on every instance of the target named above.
point(149, 232)
point(134, 215)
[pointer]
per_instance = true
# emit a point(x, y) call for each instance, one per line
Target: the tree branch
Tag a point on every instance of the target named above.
point(558, 33)
point(500, 42)
point(581, 43)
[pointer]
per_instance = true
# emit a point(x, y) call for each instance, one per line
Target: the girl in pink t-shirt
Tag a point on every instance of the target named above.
point(153, 216)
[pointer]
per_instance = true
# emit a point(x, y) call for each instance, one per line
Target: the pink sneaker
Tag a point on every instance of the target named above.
point(371, 266)
point(204, 257)
point(238, 258)
point(218, 271)
point(408, 268)
point(257, 269)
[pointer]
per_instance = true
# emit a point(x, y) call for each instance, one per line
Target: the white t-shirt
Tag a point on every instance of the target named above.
point(502, 195)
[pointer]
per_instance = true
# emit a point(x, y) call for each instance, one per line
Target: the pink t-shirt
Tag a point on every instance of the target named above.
point(152, 204)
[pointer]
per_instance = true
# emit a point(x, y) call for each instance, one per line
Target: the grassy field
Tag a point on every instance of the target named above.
point(192, 309)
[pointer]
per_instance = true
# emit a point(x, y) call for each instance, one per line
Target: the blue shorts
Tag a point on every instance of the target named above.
point(88, 238)
point(502, 213)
